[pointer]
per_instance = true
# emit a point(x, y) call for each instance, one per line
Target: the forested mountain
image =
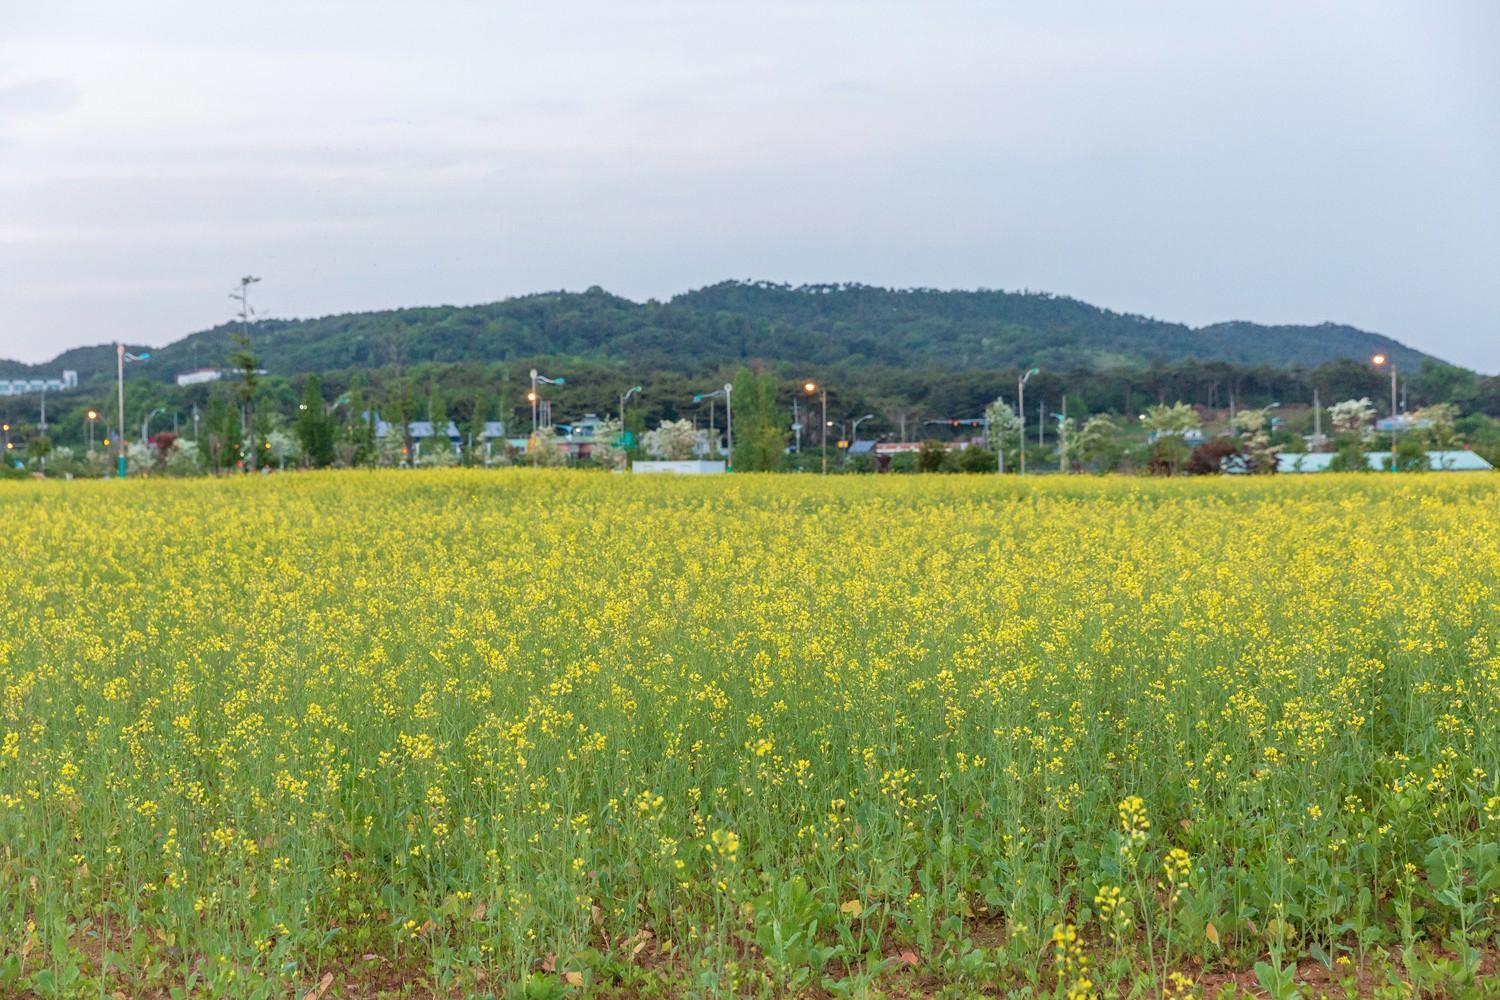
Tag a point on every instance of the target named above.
point(843, 327)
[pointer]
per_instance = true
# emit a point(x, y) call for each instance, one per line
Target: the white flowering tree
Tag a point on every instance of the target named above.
point(607, 449)
point(1002, 429)
point(1353, 416)
point(544, 448)
point(1254, 428)
point(1437, 422)
point(437, 452)
point(673, 440)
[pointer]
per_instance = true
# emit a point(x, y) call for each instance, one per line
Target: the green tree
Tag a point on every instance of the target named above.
point(1167, 428)
point(933, 456)
point(437, 450)
point(1097, 443)
point(358, 445)
point(760, 426)
point(1410, 455)
point(39, 447)
point(221, 424)
point(1349, 455)
point(478, 414)
point(401, 403)
point(314, 427)
point(243, 358)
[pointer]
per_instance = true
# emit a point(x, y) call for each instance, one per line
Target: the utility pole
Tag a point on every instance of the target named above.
point(823, 431)
point(1062, 436)
point(120, 427)
point(1317, 420)
point(1021, 414)
point(810, 388)
point(1381, 359)
point(44, 406)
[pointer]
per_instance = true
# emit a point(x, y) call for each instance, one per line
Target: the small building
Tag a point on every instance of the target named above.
point(198, 376)
point(423, 430)
point(1401, 422)
point(1193, 436)
point(579, 438)
point(22, 386)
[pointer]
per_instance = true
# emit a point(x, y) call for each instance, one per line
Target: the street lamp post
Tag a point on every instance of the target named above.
point(727, 394)
point(812, 388)
point(93, 415)
point(1021, 413)
point(854, 431)
point(121, 356)
point(539, 379)
point(624, 398)
point(1378, 360)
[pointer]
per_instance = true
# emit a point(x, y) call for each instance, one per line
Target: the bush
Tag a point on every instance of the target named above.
point(1410, 456)
point(1349, 456)
point(932, 457)
point(977, 460)
point(903, 462)
point(1208, 458)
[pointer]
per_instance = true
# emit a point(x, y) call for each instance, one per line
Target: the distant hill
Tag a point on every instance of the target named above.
point(843, 326)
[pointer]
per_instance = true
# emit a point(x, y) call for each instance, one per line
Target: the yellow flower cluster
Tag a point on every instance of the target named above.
point(502, 720)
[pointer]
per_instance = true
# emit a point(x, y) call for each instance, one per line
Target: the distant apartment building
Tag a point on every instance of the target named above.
point(198, 376)
point(21, 386)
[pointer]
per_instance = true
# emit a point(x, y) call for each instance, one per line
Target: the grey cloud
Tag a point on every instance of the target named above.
point(37, 97)
point(1282, 161)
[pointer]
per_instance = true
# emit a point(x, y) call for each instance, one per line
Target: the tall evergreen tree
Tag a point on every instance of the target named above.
point(477, 416)
point(760, 426)
point(314, 427)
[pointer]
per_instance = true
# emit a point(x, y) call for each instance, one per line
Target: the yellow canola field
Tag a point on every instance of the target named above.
point(524, 732)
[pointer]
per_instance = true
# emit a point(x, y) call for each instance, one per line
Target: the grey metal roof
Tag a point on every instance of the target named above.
point(1438, 461)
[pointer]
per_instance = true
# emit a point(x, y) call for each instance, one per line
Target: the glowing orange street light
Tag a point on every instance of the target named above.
point(1377, 361)
point(810, 388)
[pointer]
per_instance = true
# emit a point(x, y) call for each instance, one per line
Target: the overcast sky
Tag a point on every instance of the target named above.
point(1290, 161)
